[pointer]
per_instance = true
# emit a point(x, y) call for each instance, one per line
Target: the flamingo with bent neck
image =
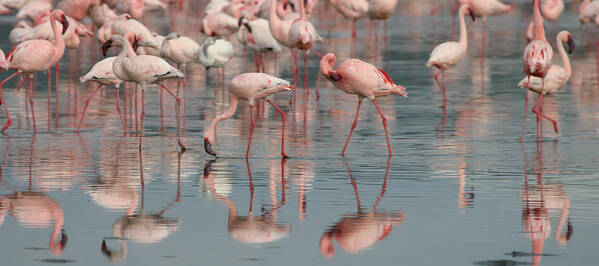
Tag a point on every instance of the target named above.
point(537, 62)
point(35, 56)
point(249, 87)
point(362, 79)
point(556, 77)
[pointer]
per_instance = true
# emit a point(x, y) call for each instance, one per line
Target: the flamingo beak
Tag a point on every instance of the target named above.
point(106, 46)
point(65, 24)
point(135, 44)
point(208, 147)
point(471, 14)
point(63, 239)
point(570, 44)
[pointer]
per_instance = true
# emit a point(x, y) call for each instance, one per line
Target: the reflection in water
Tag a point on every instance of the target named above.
point(33, 209)
point(251, 229)
point(142, 227)
point(541, 201)
point(359, 231)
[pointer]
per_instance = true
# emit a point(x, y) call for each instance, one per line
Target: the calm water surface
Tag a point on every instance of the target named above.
point(459, 189)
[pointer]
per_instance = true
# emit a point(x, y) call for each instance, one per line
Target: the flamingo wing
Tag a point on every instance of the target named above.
point(33, 55)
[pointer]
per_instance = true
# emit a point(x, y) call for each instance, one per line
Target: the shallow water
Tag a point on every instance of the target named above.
point(459, 189)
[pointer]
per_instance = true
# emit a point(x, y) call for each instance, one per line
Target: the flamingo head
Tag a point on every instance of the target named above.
point(570, 44)
point(244, 21)
point(58, 248)
point(471, 14)
point(114, 256)
point(327, 63)
point(105, 46)
point(65, 23)
point(208, 145)
point(172, 36)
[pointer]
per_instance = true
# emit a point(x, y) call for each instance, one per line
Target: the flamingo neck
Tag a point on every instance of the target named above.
point(211, 130)
point(463, 31)
point(58, 40)
point(563, 54)
point(302, 9)
point(539, 30)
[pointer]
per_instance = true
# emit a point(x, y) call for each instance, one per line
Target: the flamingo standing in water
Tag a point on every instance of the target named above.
point(352, 9)
point(382, 10)
point(556, 77)
point(550, 10)
point(35, 56)
point(103, 74)
point(537, 62)
point(485, 8)
point(144, 70)
point(302, 35)
point(362, 79)
point(448, 54)
point(249, 87)
point(280, 31)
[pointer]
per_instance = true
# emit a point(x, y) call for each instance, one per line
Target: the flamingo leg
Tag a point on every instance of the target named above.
point(353, 126)
point(283, 118)
point(306, 70)
point(555, 128)
point(247, 152)
point(295, 69)
point(8, 121)
point(353, 29)
point(31, 103)
point(125, 104)
point(57, 72)
point(178, 109)
point(525, 108)
point(118, 108)
point(161, 110)
point(384, 125)
point(444, 87)
point(86, 105)
point(135, 115)
point(142, 115)
point(21, 81)
point(49, 96)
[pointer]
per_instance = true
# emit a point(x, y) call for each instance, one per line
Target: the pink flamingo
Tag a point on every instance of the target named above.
point(362, 79)
point(382, 10)
point(249, 87)
point(352, 9)
point(556, 77)
point(550, 10)
point(76, 9)
point(32, 9)
point(537, 62)
point(448, 54)
point(280, 31)
point(133, 7)
point(302, 35)
point(485, 8)
point(144, 70)
point(36, 56)
point(103, 74)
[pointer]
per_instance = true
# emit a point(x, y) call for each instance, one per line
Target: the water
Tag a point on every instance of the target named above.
point(459, 190)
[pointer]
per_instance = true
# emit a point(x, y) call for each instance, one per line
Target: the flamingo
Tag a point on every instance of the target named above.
point(537, 61)
point(35, 56)
point(382, 10)
point(215, 53)
point(219, 24)
point(32, 9)
point(362, 79)
point(103, 74)
point(588, 11)
point(144, 70)
point(260, 39)
point(448, 54)
point(101, 14)
point(352, 9)
point(556, 77)
point(280, 31)
point(249, 87)
point(179, 49)
point(302, 35)
point(485, 8)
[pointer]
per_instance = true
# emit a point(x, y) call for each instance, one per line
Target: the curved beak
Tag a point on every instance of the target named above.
point(208, 147)
point(208, 168)
point(63, 239)
point(471, 14)
point(570, 44)
point(241, 22)
point(106, 46)
point(65, 24)
point(135, 44)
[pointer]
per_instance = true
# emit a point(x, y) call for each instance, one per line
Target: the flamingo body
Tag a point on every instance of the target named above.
point(179, 49)
point(537, 58)
point(215, 52)
point(446, 55)
point(382, 9)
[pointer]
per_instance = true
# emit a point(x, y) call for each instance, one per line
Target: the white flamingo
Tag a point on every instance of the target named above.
point(448, 54)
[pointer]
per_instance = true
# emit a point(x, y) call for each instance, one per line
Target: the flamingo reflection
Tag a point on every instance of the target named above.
point(540, 202)
point(143, 227)
point(357, 232)
point(250, 229)
point(33, 209)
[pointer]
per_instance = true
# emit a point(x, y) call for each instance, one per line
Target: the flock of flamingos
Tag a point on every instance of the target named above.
point(43, 31)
